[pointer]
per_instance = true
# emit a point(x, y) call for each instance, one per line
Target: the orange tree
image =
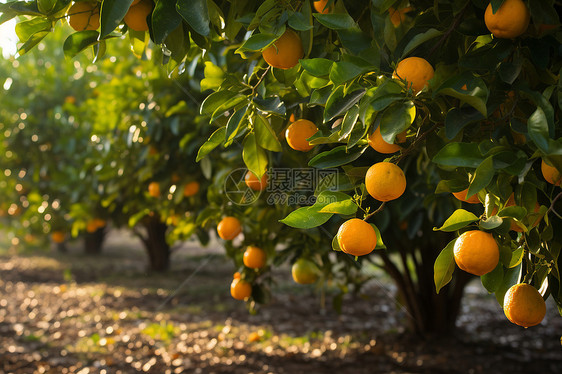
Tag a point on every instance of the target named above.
point(145, 132)
point(45, 144)
point(472, 85)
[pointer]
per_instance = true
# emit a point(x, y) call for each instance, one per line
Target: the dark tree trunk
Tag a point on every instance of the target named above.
point(61, 247)
point(93, 242)
point(429, 313)
point(155, 243)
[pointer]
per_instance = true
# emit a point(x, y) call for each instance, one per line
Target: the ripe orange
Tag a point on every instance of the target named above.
point(524, 305)
point(304, 271)
point(191, 189)
point(385, 181)
point(254, 257)
point(91, 226)
point(229, 228)
point(320, 6)
point(58, 237)
point(285, 52)
point(476, 252)
point(416, 71)
point(461, 195)
point(254, 337)
point(137, 14)
point(298, 132)
point(240, 289)
point(292, 118)
point(551, 174)
point(510, 21)
point(380, 145)
point(154, 189)
point(357, 237)
point(254, 183)
point(397, 16)
point(99, 222)
point(84, 15)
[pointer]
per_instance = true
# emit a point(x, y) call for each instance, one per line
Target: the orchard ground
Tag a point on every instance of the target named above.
point(70, 313)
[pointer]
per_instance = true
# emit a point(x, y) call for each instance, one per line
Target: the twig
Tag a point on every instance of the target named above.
point(453, 26)
point(551, 208)
point(416, 141)
point(379, 209)
point(261, 79)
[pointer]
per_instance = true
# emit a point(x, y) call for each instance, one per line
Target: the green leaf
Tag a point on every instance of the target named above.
point(349, 121)
point(335, 157)
point(537, 128)
point(165, 18)
point(491, 223)
point(271, 104)
point(297, 21)
point(482, 176)
point(111, 14)
point(380, 243)
point(254, 156)
point(46, 6)
point(517, 212)
point(516, 257)
point(459, 219)
point(336, 244)
point(458, 118)
point(26, 29)
point(214, 140)
point(233, 124)
point(336, 21)
point(339, 103)
point(459, 155)
point(177, 43)
point(214, 76)
point(344, 207)
point(496, 4)
point(318, 67)
point(468, 89)
point(511, 277)
point(79, 41)
point(419, 39)
point(397, 118)
point(444, 266)
point(196, 14)
point(265, 135)
point(493, 280)
point(306, 218)
point(32, 42)
point(345, 71)
point(215, 101)
point(256, 42)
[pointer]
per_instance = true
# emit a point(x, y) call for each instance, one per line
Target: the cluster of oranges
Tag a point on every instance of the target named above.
point(303, 271)
point(85, 15)
point(190, 189)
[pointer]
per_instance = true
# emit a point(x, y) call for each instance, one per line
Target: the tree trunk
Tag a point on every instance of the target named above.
point(93, 242)
point(429, 313)
point(155, 243)
point(61, 247)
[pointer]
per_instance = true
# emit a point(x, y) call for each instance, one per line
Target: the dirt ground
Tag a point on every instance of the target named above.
point(77, 314)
